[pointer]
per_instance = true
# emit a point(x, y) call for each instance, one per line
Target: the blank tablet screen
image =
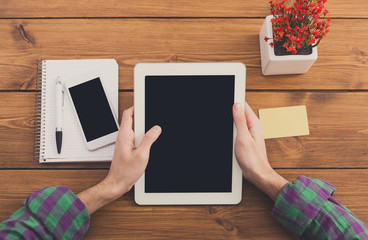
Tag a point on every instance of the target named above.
point(194, 150)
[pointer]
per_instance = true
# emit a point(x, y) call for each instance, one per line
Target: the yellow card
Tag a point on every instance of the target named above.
point(284, 121)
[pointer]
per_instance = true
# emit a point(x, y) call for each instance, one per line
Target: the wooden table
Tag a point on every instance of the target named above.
point(131, 31)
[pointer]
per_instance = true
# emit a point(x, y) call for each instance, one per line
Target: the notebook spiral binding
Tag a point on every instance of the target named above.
point(39, 121)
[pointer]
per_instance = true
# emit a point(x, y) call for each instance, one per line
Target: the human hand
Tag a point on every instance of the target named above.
point(127, 166)
point(250, 151)
point(129, 161)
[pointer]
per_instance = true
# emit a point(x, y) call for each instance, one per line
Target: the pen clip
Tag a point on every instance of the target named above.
point(58, 81)
point(63, 98)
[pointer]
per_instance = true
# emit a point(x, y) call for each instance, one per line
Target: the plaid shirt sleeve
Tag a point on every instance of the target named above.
point(50, 213)
point(307, 210)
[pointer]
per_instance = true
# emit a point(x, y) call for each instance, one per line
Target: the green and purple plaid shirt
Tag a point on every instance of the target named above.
point(50, 213)
point(305, 208)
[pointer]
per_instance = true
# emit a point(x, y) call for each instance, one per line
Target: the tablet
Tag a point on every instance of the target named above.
point(193, 160)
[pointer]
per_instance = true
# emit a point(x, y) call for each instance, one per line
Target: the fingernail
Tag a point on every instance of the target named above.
point(156, 129)
point(238, 107)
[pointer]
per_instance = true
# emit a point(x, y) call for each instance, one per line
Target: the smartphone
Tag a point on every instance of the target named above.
point(93, 110)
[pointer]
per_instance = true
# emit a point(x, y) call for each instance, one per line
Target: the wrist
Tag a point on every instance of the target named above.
point(268, 181)
point(112, 189)
point(94, 197)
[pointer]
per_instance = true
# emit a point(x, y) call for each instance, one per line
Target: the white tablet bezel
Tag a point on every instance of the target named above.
point(104, 140)
point(142, 70)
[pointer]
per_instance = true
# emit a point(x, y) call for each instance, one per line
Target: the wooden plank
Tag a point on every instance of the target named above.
point(251, 219)
point(338, 125)
point(338, 130)
point(342, 62)
point(160, 8)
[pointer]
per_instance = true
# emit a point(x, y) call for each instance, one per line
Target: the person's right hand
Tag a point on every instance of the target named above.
point(250, 151)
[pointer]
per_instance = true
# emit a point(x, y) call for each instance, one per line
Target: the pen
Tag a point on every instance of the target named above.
point(59, 113)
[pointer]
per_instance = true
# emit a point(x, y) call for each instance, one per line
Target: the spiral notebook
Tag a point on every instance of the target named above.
point(73, 146)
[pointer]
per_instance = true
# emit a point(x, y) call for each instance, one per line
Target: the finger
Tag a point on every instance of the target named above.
point(240, 121)
point(127, 119)
point(254, 124)
point(149, 138)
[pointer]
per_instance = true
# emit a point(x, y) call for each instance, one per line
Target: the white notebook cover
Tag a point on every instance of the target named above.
point(73, 146)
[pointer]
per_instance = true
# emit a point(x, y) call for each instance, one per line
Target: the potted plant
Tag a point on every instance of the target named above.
point(289, 37)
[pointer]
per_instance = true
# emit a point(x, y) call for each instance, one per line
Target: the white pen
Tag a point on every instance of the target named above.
point(59, 113)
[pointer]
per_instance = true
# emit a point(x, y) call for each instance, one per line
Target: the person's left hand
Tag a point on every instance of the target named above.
point(128, 165)
point(129, 161)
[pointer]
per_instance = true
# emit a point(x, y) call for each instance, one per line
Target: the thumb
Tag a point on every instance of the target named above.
point(240, 120)
point(149, 138)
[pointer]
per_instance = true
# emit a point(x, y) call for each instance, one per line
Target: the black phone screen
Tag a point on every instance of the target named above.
point(93, 109)
point(194, 151)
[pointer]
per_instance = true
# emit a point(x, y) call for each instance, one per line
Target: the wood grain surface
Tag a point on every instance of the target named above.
point(341, 64)
point(334, 92)
point(338, 130)
point(123, 219)
point(159, 8)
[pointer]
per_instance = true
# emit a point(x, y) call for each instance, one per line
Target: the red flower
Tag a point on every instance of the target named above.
point(266, 39)
point(312, 41)
point(298, 24)
point(271, 44)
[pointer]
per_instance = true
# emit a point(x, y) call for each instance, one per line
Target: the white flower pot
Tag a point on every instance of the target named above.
point(276, 65)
